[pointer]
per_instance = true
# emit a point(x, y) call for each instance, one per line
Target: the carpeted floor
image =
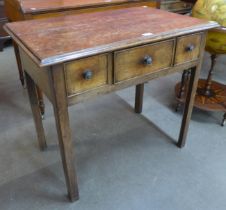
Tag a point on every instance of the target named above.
point(124, 161)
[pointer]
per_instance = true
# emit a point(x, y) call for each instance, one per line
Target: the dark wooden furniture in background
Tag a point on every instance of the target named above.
point(177, 6)
point(37, 9)
point(211, 95)
point(3, 35)
point(190, 1)
point(113, 50)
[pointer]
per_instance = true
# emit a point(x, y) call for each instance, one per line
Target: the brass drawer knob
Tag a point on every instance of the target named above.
point(190, 48)
point(87, 74)
point(147, 60)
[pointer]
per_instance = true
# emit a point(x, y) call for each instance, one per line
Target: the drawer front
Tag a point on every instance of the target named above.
point(85, 74)
point(142, 60)
point(187, 48)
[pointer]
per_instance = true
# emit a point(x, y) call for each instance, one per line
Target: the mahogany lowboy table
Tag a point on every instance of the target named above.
point(72, 58)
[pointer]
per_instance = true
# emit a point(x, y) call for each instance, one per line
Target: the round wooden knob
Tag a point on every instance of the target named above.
point(147, 60)
point(190, 48)
point(87, 74)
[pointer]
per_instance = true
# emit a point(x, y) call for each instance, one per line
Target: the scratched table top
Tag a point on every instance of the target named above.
point(60, 39)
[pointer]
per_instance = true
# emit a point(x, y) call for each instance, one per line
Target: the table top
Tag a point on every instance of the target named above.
point(31, 6)
point(56, 40)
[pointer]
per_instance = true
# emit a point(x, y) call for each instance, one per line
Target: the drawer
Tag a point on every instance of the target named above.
point(142, 60)
point(85, 74)
point(188, 48)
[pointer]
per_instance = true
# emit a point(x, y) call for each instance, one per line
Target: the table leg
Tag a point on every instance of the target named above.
point(64, 132)
point(223, 120)
point(19, 64)
point(208, 90)
point(188, 105)
point(184, 78)
point(21, 75)
point(139, 98)
point(32, 92)
point(41, 102)
point(1, 45)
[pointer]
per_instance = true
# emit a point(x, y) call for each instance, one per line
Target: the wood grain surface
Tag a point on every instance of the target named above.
point(183, 55)
point(29, 9)
point(60, 39)
point(129, 63)
point(79, 10)
point(74, 73)
point(31, 6)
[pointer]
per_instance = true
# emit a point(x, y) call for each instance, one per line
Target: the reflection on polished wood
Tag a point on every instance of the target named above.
point(70, 70)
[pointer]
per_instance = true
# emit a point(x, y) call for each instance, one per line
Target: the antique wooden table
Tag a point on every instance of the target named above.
point(72, 58)
point(18, 10)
